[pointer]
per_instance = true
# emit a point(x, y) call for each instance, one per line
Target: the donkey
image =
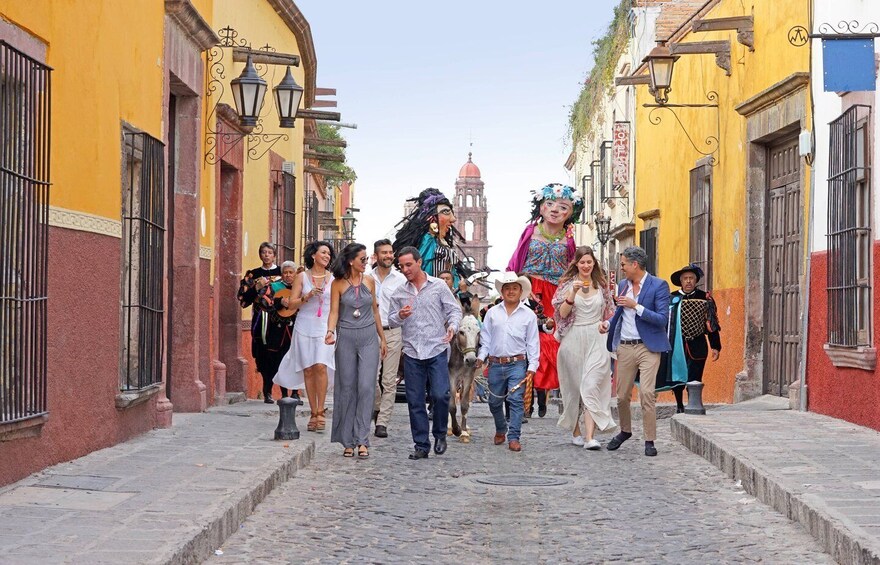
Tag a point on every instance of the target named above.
point(462, 359)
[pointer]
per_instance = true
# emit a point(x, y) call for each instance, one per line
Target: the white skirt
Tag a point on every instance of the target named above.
point(305, 352)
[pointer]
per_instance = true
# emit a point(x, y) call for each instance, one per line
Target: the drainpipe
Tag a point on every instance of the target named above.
point(805, 316)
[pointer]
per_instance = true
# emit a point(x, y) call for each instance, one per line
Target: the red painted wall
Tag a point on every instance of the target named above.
point(845, 393)
point(83, 359)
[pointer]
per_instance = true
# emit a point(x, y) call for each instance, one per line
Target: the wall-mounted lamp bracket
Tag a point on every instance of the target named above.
point(711, 143)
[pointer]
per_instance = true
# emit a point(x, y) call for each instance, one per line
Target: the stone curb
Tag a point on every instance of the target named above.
point(212, 535)
point(832, 533)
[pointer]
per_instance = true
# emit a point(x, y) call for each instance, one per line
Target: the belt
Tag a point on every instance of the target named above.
point(506, 360)
point(386, 328)
point(630, 342)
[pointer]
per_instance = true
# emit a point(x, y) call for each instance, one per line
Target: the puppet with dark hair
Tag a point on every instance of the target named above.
point(430, 228)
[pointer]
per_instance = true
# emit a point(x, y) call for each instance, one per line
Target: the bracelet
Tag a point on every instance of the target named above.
point(329, 331)
point(569, 302)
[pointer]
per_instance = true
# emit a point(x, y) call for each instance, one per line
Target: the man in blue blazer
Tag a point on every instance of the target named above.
point(638, 333)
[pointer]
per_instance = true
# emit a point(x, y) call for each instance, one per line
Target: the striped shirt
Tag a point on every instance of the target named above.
point(434, 309)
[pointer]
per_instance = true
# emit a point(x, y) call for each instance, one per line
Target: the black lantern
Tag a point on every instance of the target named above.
point(248, 91)
point(660, 64)
point(603, 227)
point(348, 222)
point(287, 97)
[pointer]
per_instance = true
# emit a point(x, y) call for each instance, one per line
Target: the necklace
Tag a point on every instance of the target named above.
point(357, 297)
point(320, 288)
point(551, 238)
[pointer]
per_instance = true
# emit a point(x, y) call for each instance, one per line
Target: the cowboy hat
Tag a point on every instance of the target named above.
point(511, 277)
point(676, 276)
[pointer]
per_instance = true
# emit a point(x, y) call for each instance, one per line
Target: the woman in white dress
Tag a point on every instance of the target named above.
point(309, 360)
point(582, 303)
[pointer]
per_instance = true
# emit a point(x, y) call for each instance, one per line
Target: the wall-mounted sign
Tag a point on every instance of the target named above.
point(620, 155)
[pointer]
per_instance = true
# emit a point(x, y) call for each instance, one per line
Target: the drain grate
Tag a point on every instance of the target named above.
point(522, 481)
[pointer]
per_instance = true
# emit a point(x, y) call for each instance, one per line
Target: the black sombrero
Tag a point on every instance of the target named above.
point(676, 276)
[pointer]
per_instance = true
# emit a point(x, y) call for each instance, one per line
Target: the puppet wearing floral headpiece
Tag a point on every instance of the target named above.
point(430, 228)
point(545, 250)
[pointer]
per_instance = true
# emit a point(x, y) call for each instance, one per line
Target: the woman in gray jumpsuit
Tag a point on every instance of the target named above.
point(355, 327)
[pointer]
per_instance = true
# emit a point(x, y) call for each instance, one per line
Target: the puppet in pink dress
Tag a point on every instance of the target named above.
point(544, 252)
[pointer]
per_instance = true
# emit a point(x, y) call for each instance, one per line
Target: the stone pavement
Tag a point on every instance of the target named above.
point(169, 496)
point(821, 472)
point(612, 506)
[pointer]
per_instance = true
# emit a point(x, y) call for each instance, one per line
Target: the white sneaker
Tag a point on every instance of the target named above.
point(592, 445)
point(577, 440)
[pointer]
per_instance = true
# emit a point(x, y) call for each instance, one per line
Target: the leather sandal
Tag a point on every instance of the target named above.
point(363, 452)
point(348, 452)
point(321, 423)
point(313, 423)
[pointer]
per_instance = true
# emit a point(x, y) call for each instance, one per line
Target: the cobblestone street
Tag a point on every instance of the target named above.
point(614, 507)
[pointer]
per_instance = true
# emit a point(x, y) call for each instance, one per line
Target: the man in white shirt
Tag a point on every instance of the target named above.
point(387, 280)
point(509, 342)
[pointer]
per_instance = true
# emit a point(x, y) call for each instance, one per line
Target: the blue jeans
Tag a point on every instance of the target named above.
point(501, 379)
point(418, 373)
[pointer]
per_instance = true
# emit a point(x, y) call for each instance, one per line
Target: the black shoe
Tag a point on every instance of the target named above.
point(542, 411)
point(650, 450)
point(525, 420)
point(418, 454)
point(440, 445)
point(381, 431)
point(679, 410)
point(617, 441)
point(268, 400)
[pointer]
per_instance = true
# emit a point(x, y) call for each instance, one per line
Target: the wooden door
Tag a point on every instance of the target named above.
point(783, 231)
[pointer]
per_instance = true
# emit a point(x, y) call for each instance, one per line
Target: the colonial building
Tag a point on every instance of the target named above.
point(471, 211)
point(130, 212)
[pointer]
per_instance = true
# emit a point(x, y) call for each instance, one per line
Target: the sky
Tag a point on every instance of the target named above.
point(422, 80)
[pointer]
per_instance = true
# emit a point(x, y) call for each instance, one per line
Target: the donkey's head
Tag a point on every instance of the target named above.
point(469, 339)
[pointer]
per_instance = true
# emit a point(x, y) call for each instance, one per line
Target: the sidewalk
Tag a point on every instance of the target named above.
point(169, 496)
point(821, 472)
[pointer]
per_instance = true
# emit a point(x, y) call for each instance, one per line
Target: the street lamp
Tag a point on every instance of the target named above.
point(248, 91)
point(660, 64)
point(603, 228)
point(287, 96)
point(348, 222)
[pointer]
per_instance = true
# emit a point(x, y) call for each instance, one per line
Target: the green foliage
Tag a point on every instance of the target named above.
point(327, 131)
point(599, 83)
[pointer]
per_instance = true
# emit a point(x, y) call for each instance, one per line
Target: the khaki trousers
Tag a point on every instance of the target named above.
point(386, 393)
point(632, 359)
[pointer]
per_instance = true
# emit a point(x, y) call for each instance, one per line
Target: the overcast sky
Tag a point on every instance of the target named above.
point(421, 79)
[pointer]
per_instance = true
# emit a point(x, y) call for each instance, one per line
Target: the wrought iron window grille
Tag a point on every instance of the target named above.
point(258, 142)
point(143, 281)
point(284, 211)
point(710, 145)
point(25, 116)
point(850, 229)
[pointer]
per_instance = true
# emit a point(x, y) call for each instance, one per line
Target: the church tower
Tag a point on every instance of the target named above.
point(470, 214)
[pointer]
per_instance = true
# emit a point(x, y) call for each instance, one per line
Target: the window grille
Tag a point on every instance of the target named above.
point(849, 229)
point(24, 233)
point(143, 255)
point(310, 223)
point(701, 223)
point(648, 241)
point(284, 228)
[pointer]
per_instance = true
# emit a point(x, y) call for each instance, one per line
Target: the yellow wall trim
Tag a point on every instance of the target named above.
point(81, 221)
point(206, 252)
point(773, 94)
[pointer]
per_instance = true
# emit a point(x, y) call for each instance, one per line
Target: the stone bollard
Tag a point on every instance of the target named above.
point(695, 398)
point(287, 422)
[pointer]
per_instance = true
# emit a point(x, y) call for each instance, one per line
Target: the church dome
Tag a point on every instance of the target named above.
point(469, 170)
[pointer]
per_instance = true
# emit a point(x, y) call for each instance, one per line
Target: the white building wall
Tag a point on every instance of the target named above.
point(828, 107)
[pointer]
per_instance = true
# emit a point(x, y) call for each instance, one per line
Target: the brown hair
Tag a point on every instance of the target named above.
point(598, 275)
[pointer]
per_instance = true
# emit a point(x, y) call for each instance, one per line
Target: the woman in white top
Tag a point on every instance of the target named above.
point(309, 360)
point(581, 304)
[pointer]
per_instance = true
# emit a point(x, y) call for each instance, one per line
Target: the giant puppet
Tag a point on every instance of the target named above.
point(545, 250)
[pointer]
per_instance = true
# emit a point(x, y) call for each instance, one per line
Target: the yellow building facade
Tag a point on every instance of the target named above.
point(723, 185)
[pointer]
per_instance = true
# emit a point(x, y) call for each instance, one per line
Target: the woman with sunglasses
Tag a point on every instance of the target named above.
point(355, 327)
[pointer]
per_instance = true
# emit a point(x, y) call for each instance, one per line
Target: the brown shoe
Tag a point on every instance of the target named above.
point(499, 438)
point(514, 446)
